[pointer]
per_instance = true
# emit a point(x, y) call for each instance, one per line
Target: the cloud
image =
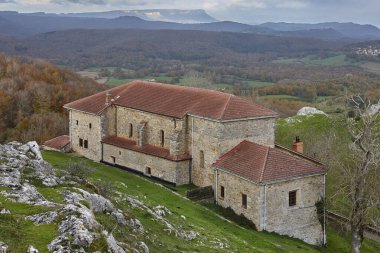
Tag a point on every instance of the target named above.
point(6, 1)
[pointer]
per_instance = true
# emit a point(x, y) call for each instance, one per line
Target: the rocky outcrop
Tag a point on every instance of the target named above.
point(3, 247)
point(306, 111)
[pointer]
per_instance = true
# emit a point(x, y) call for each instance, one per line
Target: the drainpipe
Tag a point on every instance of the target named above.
point(265, 207)
point(324, 210)
point(192, 148)
point(216, 186)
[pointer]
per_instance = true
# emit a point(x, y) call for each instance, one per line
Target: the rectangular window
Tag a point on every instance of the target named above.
point(222, 192)
point(244, 201)
point(113, 159)
point(77, 122)
point(292, 198)
point(90, 125)
point(148, 171)
point(80, 142)
point(85, 143)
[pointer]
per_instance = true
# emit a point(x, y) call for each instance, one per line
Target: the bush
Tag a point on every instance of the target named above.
point(104, 188)
point(78, 171)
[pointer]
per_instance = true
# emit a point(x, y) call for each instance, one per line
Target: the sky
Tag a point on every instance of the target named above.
point(246, 11)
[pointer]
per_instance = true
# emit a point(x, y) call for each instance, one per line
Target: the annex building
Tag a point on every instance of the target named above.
point(188, 135)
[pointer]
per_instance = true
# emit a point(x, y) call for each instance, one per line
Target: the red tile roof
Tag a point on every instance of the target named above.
point(146, 149)
point(174, 101)
point(58, 142)
point(265, 164)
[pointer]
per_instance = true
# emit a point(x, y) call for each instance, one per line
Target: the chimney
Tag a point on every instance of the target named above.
point(108, 98)
point(297, 145)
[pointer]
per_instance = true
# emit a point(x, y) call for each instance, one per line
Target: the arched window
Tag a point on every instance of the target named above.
point(162, 138)
point(201, 159)
point(130, 130)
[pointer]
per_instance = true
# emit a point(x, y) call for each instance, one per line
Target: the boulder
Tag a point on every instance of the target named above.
point(32, 249)
point(3, 247)
point(306, 111)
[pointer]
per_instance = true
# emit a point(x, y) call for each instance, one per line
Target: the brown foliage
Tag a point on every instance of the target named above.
point(32, 93)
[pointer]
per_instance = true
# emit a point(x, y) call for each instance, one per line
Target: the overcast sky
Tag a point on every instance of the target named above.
point(247, 11)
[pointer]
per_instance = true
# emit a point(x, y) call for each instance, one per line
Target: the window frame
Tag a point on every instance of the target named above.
point(292, 198)
point(130, 134)
point(80, 142)
point(222, 192)
point(244, 201)
point(85, 143)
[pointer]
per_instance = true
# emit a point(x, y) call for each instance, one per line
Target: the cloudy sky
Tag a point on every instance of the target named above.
point(248, 11)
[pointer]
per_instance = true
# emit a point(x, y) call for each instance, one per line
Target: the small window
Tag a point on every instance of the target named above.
point(77, 122)
point(162, 137)
point(244, 201)
point(85, 144)
point(90, 125)
point(292, 198)
point(201, 159)
point(119, 152)
point(175, 123)
point(80, 142)
point(222, 192)
point(113, 159)
point(148, 171)
point(130, 130)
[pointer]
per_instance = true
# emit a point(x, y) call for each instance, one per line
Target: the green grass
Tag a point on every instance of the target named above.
point(287, 97)
point(337, 60)
point(199, 218)
point(257, 83)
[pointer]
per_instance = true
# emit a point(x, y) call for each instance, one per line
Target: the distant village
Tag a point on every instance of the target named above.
point(370, 51)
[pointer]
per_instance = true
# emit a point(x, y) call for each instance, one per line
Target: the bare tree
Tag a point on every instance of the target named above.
point(360, 166)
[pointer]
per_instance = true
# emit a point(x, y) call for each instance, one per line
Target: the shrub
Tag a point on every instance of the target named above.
point(78, 171)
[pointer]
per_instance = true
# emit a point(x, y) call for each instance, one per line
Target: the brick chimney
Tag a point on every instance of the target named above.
point(108, 98)
point(297, 145)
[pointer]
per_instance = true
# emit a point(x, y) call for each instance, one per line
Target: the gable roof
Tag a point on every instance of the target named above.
point(174, 101)
point(58, 142)
point(263, 164)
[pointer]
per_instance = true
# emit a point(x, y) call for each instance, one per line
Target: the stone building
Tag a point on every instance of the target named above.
point(190, 135)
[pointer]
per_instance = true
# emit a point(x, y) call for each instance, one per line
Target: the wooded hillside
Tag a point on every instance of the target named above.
point(32, 93)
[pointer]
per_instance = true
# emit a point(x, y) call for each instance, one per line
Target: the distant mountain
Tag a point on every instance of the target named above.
point(350, 30)
point(25, 24)
point(168, 15)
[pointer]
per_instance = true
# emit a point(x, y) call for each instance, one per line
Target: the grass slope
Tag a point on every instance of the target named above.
point(213, 229)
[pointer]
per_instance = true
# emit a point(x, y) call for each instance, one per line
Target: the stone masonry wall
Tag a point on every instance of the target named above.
point(154, 124)
point(298, 221)
point(234, 187)
point(83, 130)
point(216, 138)
point(171, 171)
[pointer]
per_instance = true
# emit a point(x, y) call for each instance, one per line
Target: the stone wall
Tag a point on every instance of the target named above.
point(154, 124)
point(82, 130)
point(298, 221)
point(171, 171)
point(216, 138)
point(234, 187)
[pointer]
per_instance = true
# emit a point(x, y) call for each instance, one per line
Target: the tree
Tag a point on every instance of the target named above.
point(360, 166)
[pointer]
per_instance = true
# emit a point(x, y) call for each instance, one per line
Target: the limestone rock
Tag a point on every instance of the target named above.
point(136, 225)
point(43, 218)
point(32, 249)
point(5, 211)
point(113, 246)
point(305, 111)
point(162, 211)
point(141, 247)
point(3, 247)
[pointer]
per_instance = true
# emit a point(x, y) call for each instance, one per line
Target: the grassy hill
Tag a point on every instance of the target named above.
point(215, 233)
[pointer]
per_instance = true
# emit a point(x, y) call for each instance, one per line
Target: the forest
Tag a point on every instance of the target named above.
point(32, 93)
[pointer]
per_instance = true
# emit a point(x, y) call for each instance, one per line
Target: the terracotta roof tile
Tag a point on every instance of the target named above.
point(58, 142)
point(175, 101)
point(146, 149)
point(265, 164)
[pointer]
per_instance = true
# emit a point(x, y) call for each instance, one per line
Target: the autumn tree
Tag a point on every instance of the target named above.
point(360, 166)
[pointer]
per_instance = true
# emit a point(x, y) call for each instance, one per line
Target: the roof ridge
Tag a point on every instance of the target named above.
point(301, 155)
point(225, 107)
point(265, 164)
